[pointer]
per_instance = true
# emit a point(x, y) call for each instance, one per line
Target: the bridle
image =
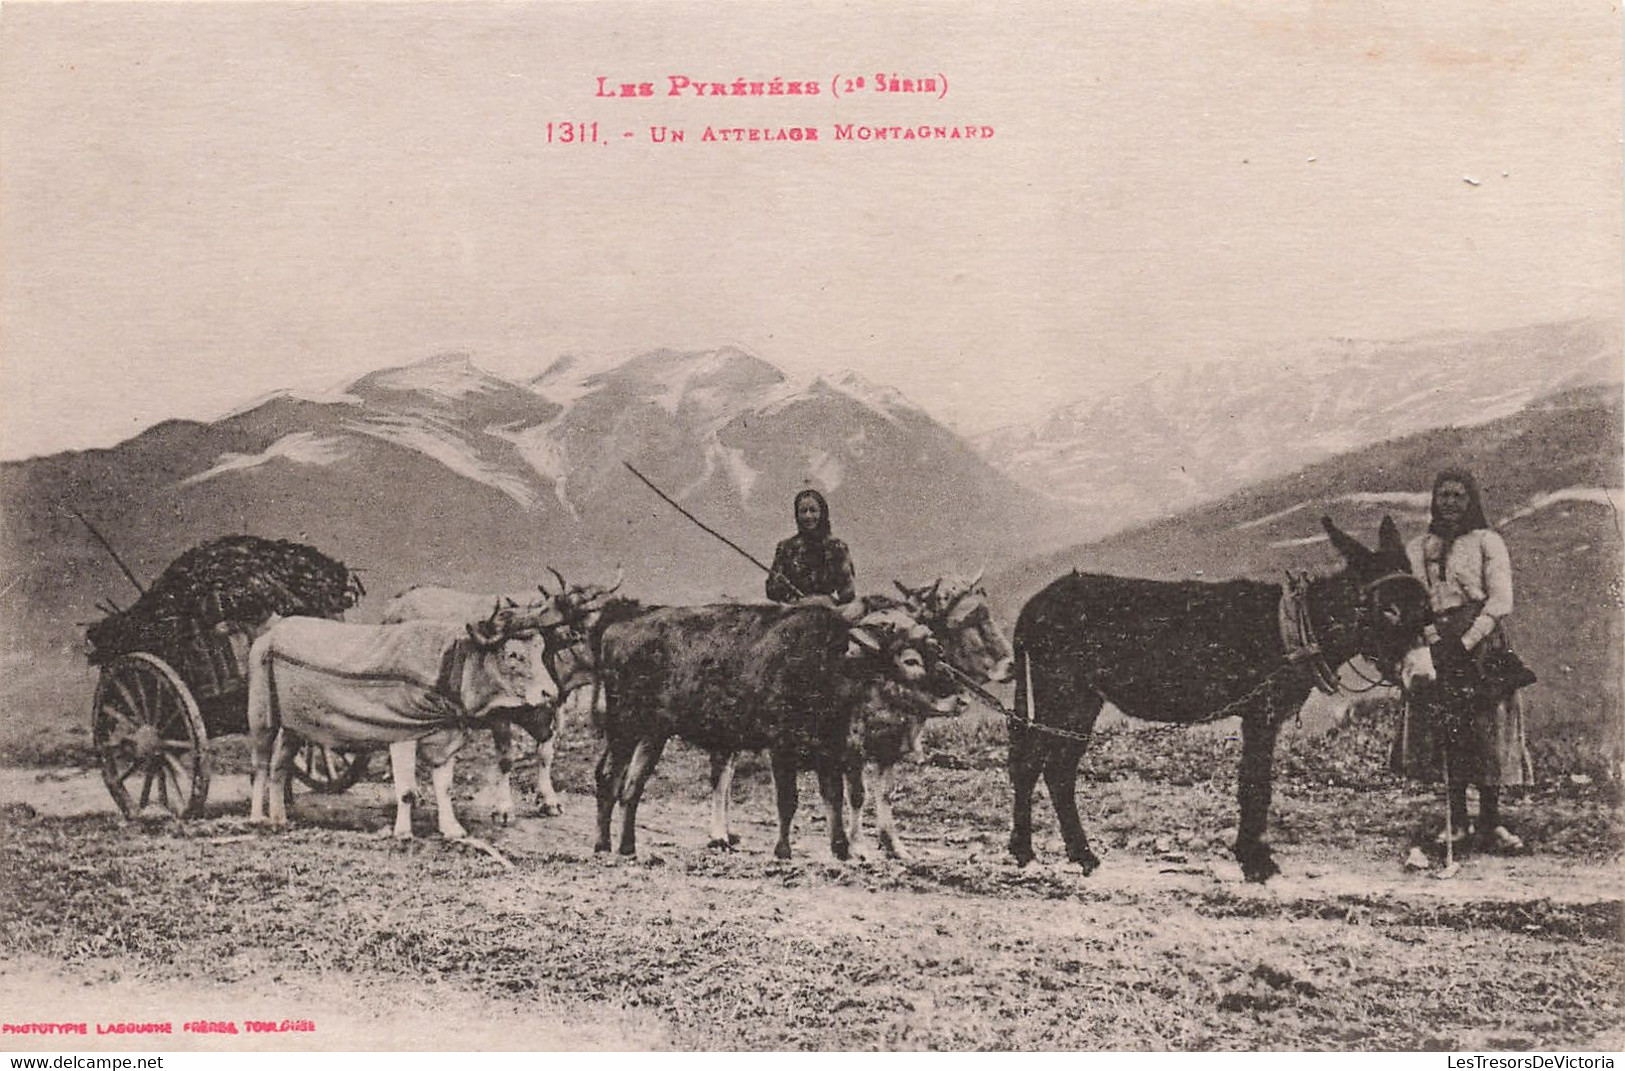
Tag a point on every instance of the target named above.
point(1304, 645)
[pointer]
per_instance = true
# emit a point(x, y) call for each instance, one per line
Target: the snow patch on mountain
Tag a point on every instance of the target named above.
point(301, 447)
point(825, 469)
point(545, 455)
point(1597, 496)
point(451, 375)
point(316, 397)
point(445, 445)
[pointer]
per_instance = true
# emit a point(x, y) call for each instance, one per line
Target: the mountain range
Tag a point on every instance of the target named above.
point(439, 472)
point(1188, 433)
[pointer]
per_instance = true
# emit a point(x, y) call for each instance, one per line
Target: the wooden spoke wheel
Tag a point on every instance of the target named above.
point(151, 737)
point(327, 770)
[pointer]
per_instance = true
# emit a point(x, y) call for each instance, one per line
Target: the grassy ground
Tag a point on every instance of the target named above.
point(1163, 947)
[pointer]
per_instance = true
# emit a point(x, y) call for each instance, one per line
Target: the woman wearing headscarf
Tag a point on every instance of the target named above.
point(1473, 732)
point(812, 564)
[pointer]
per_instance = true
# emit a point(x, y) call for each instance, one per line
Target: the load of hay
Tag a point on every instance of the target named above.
point(236, 581)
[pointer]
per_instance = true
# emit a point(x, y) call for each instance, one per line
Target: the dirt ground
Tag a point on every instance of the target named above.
point(430, 944)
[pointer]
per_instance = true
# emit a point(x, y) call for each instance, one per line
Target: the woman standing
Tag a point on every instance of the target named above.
point(811, 565)
point(1472, 732)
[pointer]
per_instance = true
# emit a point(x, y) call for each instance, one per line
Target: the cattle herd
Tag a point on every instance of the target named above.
point(831, 690)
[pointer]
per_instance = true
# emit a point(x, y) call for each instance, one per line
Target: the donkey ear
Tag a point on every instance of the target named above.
point(1388, 539)
point(1350, 548)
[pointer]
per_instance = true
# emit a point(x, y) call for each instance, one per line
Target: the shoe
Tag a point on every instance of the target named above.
point(1501, 839)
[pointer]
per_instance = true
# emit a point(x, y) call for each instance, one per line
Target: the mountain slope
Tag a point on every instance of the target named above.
point(1149, 451)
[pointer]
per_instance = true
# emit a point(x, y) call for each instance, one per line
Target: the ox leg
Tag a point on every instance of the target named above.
point(722, 781)
point(502, 741)
point(832, 786)
point(441, 776)
point(637, 775)
point(403, 765)
point(551, 805)
point(856, 794)
point(611, 776)
point(1061, 778)
point(282, 753)
point(1253, 790)
point(886, 826)
point(262, 731)
point(784, 787)
point(543, 726)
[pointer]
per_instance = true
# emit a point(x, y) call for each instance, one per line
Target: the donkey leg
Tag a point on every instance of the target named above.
point(885, 824)
point(1061, 777)
point(1026, 763)
point(1253, 790)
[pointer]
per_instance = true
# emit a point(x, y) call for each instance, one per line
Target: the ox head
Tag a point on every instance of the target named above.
point(511, 645)
point(580, 606)
point(1388, 606)
point(893, 645)
point(958, 615)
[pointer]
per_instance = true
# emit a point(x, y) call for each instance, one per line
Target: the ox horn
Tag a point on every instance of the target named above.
point(977, 579)
point(563, 587)
point(620, 578)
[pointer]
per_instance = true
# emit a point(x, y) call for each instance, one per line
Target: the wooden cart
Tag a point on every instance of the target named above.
point(152, 722)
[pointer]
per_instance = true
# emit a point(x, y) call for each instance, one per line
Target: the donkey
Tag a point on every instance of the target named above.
point(1187, 652)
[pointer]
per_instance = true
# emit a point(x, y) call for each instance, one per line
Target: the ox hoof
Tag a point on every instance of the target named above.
point(893, 848)
point(629, 850)
point(403, 835)
point(781, 850)
point(721, 844)
point(552, 810)
point(843, 852)
point(602, 847)
point(455, 833)
point(1022, 853)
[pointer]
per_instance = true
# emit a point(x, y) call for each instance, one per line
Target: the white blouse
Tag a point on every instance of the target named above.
point(1479, 570)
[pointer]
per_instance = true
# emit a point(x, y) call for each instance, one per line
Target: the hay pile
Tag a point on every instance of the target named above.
point(237, 580)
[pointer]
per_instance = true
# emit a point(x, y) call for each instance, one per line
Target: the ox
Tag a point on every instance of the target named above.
point(364, 687)
point(736, 677)
point(956, 614)
point(1193, 651)
point(570, 666)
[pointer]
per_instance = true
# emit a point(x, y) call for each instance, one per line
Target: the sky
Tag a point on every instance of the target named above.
point(203, 203)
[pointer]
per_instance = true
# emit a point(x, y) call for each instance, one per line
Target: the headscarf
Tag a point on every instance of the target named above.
point(1472, 518)
point(821, 533)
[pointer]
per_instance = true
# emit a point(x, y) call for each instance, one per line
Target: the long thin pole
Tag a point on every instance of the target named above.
point(109, 548)
point(709, 530)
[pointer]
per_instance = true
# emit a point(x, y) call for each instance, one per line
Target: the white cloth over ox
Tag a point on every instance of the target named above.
point(367, 686)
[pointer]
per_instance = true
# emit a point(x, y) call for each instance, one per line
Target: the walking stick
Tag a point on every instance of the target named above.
point(1450, 867)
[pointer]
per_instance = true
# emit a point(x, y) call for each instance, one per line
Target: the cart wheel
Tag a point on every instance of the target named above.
point(151, 737)
point(327, 770)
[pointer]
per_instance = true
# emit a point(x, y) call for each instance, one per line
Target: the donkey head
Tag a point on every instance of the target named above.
point(1381, 604)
